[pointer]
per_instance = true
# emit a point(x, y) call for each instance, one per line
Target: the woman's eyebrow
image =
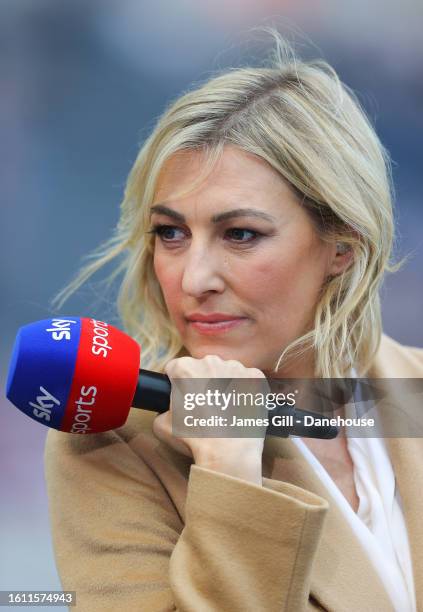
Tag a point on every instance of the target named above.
point(242, 212)
point(160, 209)
point(230, 214)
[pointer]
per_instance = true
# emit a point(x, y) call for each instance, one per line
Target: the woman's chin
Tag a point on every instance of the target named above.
point(225, 353)
point(199, 353)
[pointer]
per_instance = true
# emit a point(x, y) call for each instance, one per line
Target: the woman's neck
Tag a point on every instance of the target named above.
point(299, 368)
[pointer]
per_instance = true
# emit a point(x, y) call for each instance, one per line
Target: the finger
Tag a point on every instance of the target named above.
point(179, 366)
point(162, 429)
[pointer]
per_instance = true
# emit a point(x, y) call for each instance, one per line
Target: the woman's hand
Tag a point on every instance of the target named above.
point(239, 457)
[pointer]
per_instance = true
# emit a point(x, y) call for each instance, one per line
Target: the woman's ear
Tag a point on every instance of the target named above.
point(342, 258)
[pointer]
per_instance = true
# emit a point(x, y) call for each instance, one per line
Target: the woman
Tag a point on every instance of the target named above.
point(256, 228)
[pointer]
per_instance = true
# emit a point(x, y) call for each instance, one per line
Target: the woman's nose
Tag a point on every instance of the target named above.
point(202, 272)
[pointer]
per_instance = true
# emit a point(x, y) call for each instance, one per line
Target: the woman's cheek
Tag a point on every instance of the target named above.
point(282, 292)
point(270, 277)
point(168, 281)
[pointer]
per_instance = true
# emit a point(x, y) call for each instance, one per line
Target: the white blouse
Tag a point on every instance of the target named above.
point(379, 523)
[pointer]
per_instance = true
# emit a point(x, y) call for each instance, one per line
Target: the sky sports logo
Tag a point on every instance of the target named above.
point(60, 329)
point(44, 405)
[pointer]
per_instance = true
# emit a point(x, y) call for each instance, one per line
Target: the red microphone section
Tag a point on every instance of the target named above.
point(104, 381)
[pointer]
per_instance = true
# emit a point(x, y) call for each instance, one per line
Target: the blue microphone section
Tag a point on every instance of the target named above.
point(42, 368)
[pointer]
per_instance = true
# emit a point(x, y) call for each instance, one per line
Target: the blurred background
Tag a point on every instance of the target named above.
point(82, 84)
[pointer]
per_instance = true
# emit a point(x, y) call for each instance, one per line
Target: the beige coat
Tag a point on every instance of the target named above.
point(137, 527)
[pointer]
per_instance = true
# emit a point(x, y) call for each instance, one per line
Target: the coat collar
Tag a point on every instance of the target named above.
point(343, 576)
point(396, 361)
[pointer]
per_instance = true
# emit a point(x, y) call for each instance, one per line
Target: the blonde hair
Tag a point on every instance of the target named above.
point(310, 127)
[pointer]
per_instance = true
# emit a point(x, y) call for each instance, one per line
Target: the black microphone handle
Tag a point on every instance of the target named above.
point(153, 393)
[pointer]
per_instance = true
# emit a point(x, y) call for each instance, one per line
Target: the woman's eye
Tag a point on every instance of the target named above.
point(168, 233)
point(238, 234)
point(171, 234)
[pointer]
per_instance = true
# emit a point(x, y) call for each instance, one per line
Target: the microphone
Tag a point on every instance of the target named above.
point(82, 376)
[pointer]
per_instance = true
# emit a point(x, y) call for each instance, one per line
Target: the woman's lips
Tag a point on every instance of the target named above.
point(216, 327)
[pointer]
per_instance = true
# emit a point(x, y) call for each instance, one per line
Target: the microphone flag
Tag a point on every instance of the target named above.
point(74, 374)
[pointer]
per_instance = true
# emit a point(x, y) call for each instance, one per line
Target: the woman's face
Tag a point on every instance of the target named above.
point(239, 261)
